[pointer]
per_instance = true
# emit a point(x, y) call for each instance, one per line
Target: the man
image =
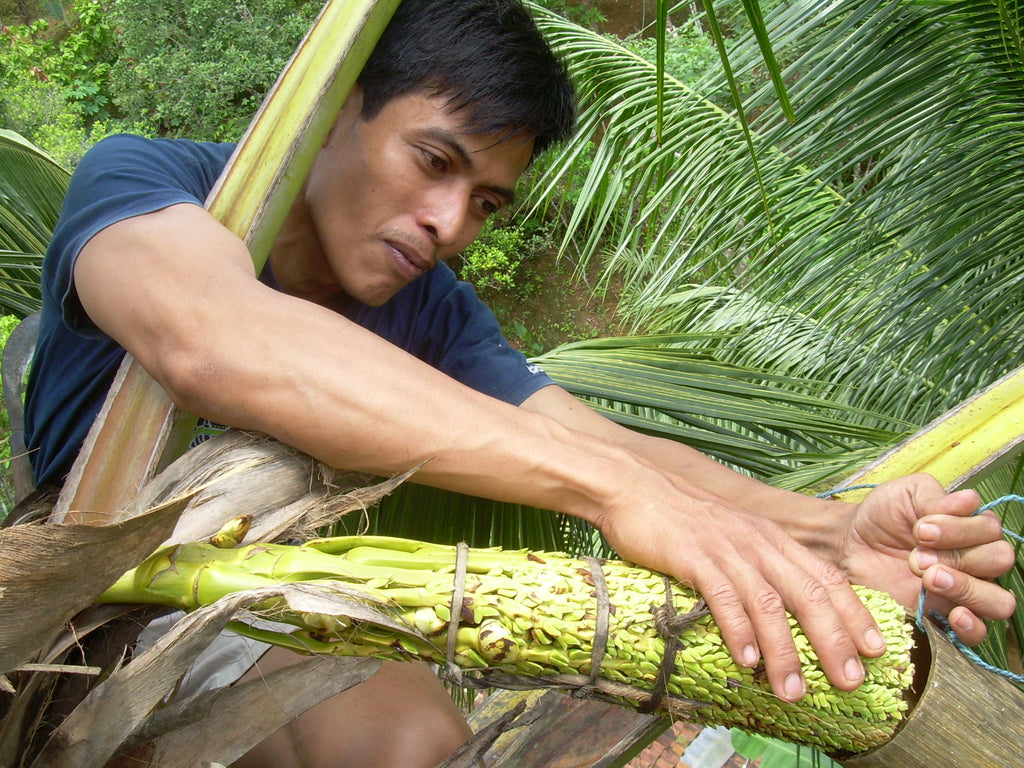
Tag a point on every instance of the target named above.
point(357, 346)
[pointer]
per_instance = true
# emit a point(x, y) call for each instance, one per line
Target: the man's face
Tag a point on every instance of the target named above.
point(391, 197)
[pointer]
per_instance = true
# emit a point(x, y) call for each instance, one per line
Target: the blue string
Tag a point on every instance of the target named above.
point(1001, 500)
point(837, 491)
point(965, 649)
point(969, 652)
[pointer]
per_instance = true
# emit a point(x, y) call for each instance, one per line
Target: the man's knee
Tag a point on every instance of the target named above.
point(422, 725)
point(423, 737)
point(400, 716)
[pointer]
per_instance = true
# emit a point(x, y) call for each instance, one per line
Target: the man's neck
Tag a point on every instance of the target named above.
point(298, 264)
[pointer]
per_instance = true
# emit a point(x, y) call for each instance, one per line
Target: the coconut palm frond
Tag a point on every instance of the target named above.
point(893, 218)
point(756, 421)
point(639, 196)
point(447, 517)
point(32, 189)
point(923, 259)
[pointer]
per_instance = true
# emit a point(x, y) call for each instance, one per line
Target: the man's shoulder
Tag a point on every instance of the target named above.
point(127, 175)
point(128, 148)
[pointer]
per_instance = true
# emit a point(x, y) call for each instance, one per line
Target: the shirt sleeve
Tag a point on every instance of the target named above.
point(121, 177)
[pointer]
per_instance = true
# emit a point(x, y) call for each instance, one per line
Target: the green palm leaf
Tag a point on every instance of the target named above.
point(894, 224)
point(31, 191)
point(756, 421)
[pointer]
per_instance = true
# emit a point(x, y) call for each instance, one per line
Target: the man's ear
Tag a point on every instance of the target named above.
point(350, 110)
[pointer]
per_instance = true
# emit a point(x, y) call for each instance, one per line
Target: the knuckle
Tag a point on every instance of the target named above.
point(768, 602)
point(992, 526)
point(723, 596)
point(831, 577)
point(922, 478)
point(836, 639)
point(963, 590)
point(814, 594)
point(954, 558)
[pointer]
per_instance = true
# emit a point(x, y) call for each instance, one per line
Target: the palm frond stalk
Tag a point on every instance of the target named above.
point(533, 619)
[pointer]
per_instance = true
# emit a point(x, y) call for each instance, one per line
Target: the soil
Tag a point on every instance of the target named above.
point(553, 305)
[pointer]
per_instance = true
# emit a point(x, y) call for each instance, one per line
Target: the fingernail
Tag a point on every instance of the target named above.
point(854, 670)
point(928, 532)
point(926, 558)
point(749, 656)
point(942, 580)
point(794, 687)
point(965, 622)
point(874, 640)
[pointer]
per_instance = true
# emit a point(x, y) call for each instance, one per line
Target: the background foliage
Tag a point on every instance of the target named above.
point(198, 68)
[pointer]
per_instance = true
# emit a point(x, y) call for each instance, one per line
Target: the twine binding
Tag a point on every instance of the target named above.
point(451, 670)
point(600, 624)
point(592, 686)
point(670, 626)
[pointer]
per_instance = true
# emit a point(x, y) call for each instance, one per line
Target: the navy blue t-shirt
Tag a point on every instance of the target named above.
point(437, 318)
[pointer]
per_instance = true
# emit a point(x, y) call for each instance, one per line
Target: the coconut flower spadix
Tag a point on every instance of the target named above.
point(534, 618)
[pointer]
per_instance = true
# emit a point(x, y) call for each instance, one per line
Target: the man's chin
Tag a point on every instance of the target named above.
point(377, 297)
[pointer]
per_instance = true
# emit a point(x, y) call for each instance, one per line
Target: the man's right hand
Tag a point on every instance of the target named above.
point(750, 572)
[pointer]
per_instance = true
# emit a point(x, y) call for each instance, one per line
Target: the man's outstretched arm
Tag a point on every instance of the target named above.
point(177, 291)
point(903, 532)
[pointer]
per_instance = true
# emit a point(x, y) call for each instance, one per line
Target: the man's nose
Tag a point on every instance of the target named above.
point(444, 215)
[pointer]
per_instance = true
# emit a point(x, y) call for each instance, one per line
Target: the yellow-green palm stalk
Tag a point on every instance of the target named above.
point(536, 615)
point(959, 446)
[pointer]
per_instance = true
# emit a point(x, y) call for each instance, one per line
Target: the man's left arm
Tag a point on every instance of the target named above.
point(904, 532)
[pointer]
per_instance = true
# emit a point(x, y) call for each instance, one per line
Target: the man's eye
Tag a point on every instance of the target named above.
point(488, 206)
point(435, 162)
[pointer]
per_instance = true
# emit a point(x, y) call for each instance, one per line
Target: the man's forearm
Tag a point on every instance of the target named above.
point(815, 523)
point(177, 291)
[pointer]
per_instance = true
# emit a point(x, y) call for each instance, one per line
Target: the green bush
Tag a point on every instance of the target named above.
point(689, 51)
point(583, 13)
point(55, 78)
point(197, 68)
point(200, 68)
point(494, 260)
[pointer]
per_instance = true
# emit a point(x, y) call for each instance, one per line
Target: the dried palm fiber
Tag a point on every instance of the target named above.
point(288, 493)
point(524, 619)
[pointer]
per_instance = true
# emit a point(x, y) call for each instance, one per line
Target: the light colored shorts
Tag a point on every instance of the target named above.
point(223, 662)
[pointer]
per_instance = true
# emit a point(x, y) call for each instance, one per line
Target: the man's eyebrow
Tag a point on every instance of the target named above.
point(457, 148)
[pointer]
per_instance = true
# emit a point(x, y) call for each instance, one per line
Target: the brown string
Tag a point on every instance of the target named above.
point(602, 621)
point(666, 621)
point(669, 626)
point(451, 669)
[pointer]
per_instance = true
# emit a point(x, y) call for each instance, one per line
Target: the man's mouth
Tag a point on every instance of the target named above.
point(411, 264)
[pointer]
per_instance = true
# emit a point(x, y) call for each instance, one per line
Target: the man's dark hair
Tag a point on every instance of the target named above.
point(486, 56)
